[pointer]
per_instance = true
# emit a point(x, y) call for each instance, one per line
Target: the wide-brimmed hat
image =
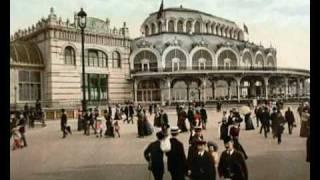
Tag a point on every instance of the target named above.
point(227, 139)
point(160, 135)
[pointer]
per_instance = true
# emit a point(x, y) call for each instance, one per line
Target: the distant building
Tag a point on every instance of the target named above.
point(46, 63)
point(186, 55)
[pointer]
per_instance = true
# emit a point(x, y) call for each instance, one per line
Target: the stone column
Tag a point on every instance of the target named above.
point(188, 91)
point(168, 83)
point(266, 86)
point(298, 87)
point(229, 89)
point(303, 88)
point(135, 89)
point(214, 89)
point(286, 82)
point(238, 79)
point(204, 87)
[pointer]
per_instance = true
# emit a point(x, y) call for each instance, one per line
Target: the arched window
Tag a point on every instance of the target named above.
point(208, 28)
point(259, 60)
point(153, 28)
point(189, 26)
point(171, 26)
point(218, 29)
point(159, 27)
point(116, 59)
point(247, 59)
point(197, 27)
point(201, 59)
point(180, 26)
point(176, 60)
point(227, 59)
point(270, 61)
point(150, 65)
point(96, 58)
point(146, 30)
point(69, 56)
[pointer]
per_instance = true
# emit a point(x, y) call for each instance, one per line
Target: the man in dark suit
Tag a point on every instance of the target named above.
point(203, 114)
point(265, 122)
point(131, 113)
point(232, 164)
point(63, 123)
point(164, 120)
point(289, 119)
point(202, 164)
point(154, 155)
point(190, 117)
point(177, 162)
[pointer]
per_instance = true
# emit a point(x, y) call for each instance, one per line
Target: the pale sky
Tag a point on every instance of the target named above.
point(284, 24)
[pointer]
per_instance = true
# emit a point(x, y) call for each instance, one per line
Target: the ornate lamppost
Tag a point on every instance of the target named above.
point(82, 22)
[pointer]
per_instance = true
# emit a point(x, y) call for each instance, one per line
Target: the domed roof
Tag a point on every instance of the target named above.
point(25, 52)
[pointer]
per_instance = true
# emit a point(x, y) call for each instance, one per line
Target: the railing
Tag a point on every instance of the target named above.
point(218, 68)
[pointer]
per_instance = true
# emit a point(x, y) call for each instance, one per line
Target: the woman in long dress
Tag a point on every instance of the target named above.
point(224, 126)
point(305, 115)
point(109, 125)
point(248, 122)
point(234, 133)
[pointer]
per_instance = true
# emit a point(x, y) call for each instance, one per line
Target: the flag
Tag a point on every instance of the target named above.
point(245, 29)
point(160, 10)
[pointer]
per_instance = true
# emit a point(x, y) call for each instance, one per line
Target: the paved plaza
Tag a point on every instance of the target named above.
point(79, 157)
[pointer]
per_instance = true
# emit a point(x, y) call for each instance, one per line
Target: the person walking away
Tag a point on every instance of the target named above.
point(182, 116)
point(110, 130)
point(26, 113)
point(279, 125)
point(258, 111)
point(177, 161)
point(248, 121)
point(202, 164)
point(190, 117)
point(224, 126)
point(63, 123)
point(22, 129)
point(140, 124)
point(91, 120)
point(95, 119)
point(131, 113)
point(150, 109)
point(232, 164)
point(305, 115)
point(164, 120)
point(289, 119)
point(204, 117)
point(154, 156)
point(99, 128)
point(126, 111)
point(234, 134)
point(265, 122)
point(117, 128)
point(87, 119)
point(273, 118)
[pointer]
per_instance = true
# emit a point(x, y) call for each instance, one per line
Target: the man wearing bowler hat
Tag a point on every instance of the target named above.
point(177, 162)
point(232, 165)
point(202, 164)
point(192, 142)
point(154, 155)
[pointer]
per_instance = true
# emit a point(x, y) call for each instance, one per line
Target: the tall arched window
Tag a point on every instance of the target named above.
point(176, 60)
point(247, 59)
point(208, 28)
point(153, 28)
point(69, 56)
point(116, 60)
point(96, 58)
point(197, 27)
point(189, 26)
point(259, 60)
point(171, 26)
point(201, 60)
point(159, 27)
point(270, 61)
point(146, 30)
point(227, 59)
point(140, 64)
point(180, 26)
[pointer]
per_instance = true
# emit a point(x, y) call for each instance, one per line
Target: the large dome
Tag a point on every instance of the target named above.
point(189, 21)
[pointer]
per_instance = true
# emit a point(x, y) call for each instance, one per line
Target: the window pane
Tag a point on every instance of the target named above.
point(24, 76)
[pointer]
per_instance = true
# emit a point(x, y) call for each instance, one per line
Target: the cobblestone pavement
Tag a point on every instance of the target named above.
point(79, 157)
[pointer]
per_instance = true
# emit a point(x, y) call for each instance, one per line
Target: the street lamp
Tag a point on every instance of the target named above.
point(82, 22)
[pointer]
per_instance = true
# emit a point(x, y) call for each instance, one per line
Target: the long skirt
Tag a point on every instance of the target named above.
point(304, 129)
point(223, 131)
point(239, 147)
point(249, 124)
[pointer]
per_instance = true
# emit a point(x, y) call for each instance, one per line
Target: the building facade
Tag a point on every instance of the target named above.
point(46, 63)
point(185, 55)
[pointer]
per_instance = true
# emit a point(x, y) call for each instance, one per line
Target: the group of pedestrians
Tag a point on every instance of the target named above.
point(202, 161)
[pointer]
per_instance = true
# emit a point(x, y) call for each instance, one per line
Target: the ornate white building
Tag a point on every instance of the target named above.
point(45, 63)
point(187, 55)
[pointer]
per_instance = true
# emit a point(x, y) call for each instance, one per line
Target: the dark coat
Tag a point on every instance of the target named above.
point(177, 161)
point(234, 164)
point(202, 167)
point(190, 115)
point(153, 152)
point(131, 111)
point(278, 123)
point(63, 122)
point(265, 118)
point(289, 117)
point(164, 119)
point(203, 114)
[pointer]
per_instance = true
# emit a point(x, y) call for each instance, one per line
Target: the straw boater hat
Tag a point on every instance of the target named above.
point(175, 130)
